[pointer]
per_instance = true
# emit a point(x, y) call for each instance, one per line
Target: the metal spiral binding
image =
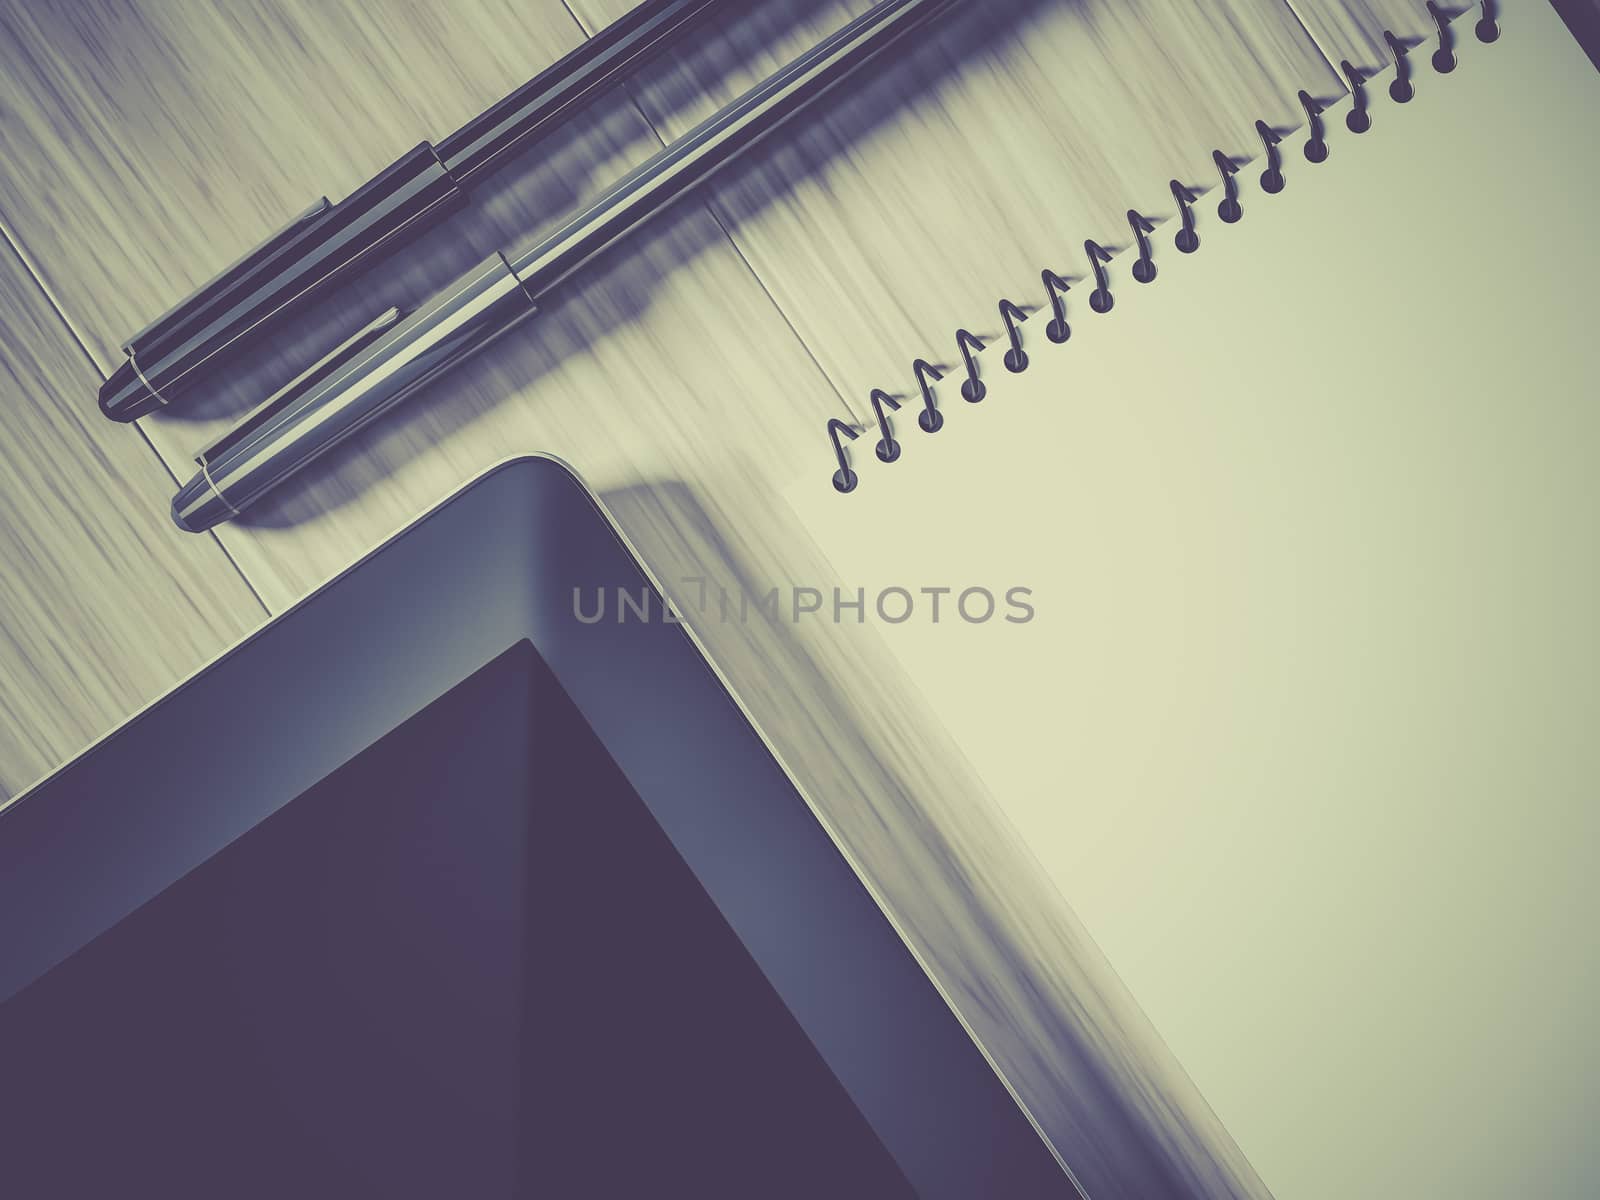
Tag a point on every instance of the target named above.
point(1144, 267)
point(972, 388)
point(1101, 298)
point(1272, 177)
point(1359, 118)
point(1187, 240)
point(1055, 287)
point(1015, 359)
point(844, 479)
point(1487, 29)
point(888, 448)
point(1444, 58)
point(1229, 209)
point(1400, 88)
point(1316, 149)
point(931, 419)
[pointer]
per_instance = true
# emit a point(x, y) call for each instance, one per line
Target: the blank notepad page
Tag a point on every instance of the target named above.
point(1305, 724)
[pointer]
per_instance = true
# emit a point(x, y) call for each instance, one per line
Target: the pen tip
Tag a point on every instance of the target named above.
point(180, 514)
point(197, 506)
point(124, 397)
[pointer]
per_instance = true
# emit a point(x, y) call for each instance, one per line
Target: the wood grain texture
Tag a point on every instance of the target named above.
point(1353, 29)
point(149, 145)
point(1003, 137)
point(216, 123)
point(103, 604)
point(690, 375)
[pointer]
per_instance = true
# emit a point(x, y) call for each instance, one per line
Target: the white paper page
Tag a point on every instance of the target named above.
point(1306, 725)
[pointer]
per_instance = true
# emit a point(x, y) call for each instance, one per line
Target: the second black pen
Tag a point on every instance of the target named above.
point(178, 351)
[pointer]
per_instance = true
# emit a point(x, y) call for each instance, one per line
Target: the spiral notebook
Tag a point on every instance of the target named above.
point(1271, 619)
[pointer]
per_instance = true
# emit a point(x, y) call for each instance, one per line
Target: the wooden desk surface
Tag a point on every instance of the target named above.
point(689, 378)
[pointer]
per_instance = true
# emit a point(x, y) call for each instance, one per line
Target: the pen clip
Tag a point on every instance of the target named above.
point(269, 245)
point(285, 395)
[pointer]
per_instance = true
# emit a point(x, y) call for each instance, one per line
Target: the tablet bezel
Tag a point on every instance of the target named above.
point(495, 564)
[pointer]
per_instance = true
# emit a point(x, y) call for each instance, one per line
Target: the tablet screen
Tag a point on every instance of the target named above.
point(467, 962)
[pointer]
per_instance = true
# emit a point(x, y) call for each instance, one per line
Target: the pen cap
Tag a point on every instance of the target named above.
point(275, 247)
point(320, 245)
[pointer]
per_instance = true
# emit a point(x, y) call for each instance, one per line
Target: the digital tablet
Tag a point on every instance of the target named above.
point(441, 885)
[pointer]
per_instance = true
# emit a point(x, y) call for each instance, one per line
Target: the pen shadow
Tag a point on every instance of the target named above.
point(512, 207)
point(618, 289)
point(568, 166)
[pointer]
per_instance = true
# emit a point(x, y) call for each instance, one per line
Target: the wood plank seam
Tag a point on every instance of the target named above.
point(712, 207)
point(14, 244)
point(1311, 36)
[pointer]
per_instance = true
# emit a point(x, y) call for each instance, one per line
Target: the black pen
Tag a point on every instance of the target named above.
point(168, 357)
point(396, 353)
